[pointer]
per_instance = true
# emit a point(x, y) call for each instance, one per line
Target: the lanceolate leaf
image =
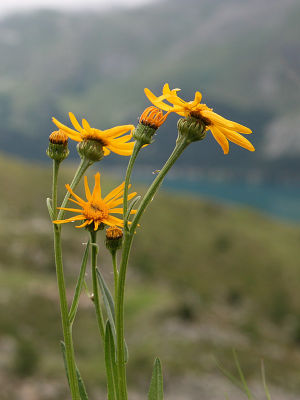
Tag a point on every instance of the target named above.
point(82, 390)
point(111, 367)
point(156, 391)
point(110, 308)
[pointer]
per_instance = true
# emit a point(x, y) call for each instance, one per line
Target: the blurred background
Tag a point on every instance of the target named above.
point(215, 265)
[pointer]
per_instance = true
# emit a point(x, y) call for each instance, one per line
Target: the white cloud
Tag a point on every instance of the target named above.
point(8, 6)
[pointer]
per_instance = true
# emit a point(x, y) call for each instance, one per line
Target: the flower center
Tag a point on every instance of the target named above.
point(97, 211)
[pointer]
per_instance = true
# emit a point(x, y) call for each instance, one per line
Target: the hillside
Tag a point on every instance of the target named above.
point(203, 279)
point(243, 56)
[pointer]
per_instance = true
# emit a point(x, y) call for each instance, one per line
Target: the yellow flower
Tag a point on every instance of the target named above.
point(221, 128)
point(96, 209)
point(111, 139)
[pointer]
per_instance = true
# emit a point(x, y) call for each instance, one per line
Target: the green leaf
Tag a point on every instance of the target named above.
point(111, 367)
point(242, 377)
point(110, 308)
point(264, 381)
point(132, 204)
point(81, 386)
point(49, 206)
point(79, 285)
point(156, 390)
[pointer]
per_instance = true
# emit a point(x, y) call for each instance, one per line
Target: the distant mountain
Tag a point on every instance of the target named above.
point(243, 56)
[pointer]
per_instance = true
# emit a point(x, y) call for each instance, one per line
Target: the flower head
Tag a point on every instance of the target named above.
point(221, 128)
point(153, 117)
point(111, 139)
point(58, 146)
point(58, 137)
point(97, 210)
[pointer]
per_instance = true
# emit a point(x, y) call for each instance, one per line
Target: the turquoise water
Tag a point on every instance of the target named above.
point(281, 201)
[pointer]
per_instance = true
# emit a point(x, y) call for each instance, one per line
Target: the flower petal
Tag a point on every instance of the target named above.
point(220, 138)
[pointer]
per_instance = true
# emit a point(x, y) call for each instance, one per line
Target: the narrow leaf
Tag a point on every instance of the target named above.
point(132, 204)
point(81, 386)
point(111, 367)
point(110, 308)
point(107, 298)
point(49, 206)
point(242, 377)
point(79, 285)
point(156, 391)
point(264, 381)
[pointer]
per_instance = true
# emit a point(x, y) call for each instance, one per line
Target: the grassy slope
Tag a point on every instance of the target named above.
point(203, 279)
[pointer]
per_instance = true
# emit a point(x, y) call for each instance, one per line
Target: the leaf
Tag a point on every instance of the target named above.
point(81, 386)
point(242, 377)
point(49, 206)
point(110, 363)
point(110, 308)
point(79, 285)
point(264, 381)
point(156, 390)
point(132, 204)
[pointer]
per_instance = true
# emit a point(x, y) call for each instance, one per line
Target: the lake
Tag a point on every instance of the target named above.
point(281, 201)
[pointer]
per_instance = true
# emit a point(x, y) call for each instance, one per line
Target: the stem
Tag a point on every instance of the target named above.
point(116, 272)
point(96, 300)
point(83, 166)
point(128, 237)
point(56, 165)
point(137, 147)
point(67, 331)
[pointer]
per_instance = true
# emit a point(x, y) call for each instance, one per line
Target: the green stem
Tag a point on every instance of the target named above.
point(116, 272)
point(67, 331)
point(83, 166)
point(96, 299)
point(137, 147)
point(128, 237)
point(56, 165)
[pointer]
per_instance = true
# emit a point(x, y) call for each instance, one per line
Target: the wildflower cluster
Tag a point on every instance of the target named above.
point(120, 217)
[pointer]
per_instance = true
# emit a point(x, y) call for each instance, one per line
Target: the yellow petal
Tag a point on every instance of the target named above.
point(75, 218)
point(75, 122)
point(82, 225)
point(65, 128)
point(106, 151)
point(221, 139)
point(74, 194)
point(69, 209)
point(87, 189)
point(114, 192)
point(120, 201)
point(238, 139)
point(117, 131)
point(226, 123)
point(86, 125)
point(97, 188)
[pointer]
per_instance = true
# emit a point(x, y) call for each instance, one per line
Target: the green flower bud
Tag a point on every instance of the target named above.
point(90, 149)
point(58, 146)
point(114, 236)
point(150, 120)
point(191, 128)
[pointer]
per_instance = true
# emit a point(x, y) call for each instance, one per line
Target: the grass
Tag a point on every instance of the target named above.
point(203, 279)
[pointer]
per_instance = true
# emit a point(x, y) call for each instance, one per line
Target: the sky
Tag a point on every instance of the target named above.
point(8, 6)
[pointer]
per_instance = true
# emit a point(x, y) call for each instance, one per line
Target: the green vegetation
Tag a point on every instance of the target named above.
point(217, 278)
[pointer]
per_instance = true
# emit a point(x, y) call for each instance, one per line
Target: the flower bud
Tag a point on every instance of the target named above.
point(58, 146)
point(114, 236)
point(90, 149)
point(150, 120)
point(191, 128)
